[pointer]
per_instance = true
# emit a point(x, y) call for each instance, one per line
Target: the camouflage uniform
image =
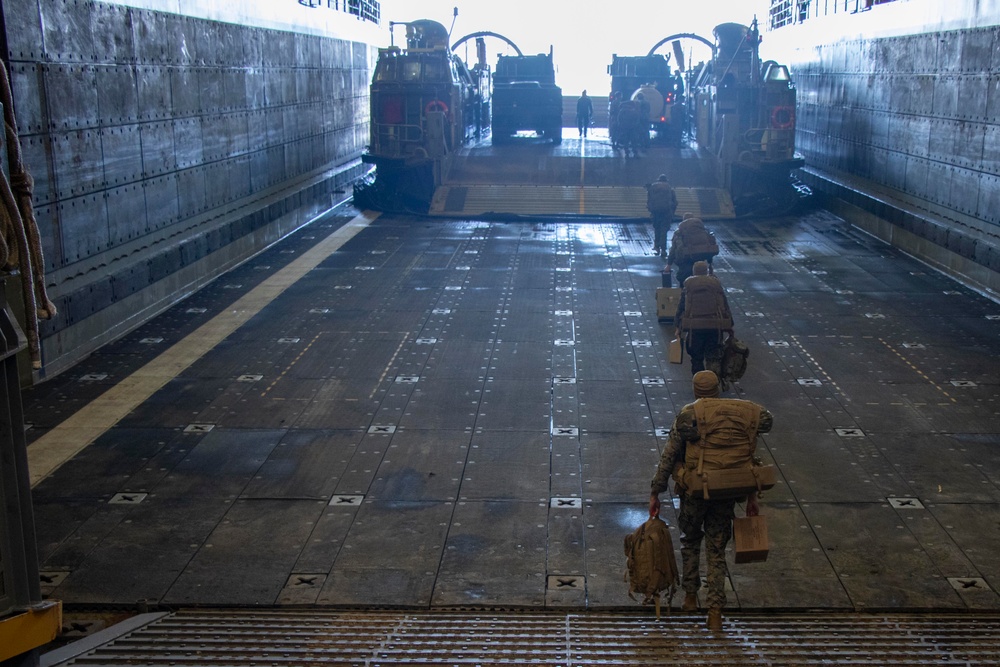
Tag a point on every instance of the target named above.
point(684, 258)
point(661, 201)
point(698, 518)
point(703, 332)
point(713, 520)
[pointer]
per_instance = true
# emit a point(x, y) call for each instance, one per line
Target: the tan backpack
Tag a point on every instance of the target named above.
point(705, 305)
point(721, 463)
point(651, 567)
point(694, 241)
point(660, 196)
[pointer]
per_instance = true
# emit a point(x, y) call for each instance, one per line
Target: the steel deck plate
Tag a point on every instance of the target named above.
point(495, 553)
point(458, 359)
point(264, 536)
point(443, 404)
point(517, 405)
point(379, 369)
point(613, 407)
point(517, 359)
point(160, 533)
point(609, 458)
point(305, 464)
point(421, 466)
point(507, 466)
point(606, 361)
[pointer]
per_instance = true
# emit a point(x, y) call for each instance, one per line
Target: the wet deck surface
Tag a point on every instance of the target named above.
point(434, 413)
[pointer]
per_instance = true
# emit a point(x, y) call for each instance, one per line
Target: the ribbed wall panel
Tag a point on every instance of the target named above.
point(915, 113)
point(138, 123)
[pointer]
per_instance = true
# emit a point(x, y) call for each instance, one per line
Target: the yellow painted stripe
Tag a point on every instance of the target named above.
point(27, 630)
point(64, 441)
point(918, 371)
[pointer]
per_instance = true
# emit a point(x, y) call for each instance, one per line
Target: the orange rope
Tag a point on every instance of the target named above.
point(21, 247)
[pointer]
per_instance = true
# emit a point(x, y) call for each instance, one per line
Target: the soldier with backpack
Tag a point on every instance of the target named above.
point(691, 243)
point(711, 433)
point(614, 105)
point(703, 317)
point(626, 124)
point(661, 201)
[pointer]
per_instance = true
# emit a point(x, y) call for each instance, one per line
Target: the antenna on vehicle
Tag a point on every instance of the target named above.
point(454, 17)
point(678, 54)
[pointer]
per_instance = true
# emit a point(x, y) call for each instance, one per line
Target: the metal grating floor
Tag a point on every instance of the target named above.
point(471, 200)
point(314, 637)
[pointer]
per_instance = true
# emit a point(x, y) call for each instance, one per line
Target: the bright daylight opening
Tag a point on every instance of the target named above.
point(583, 34)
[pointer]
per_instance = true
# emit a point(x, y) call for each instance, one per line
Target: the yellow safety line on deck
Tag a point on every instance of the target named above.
point(583, 168)
point(918, 371)
point(60, 444)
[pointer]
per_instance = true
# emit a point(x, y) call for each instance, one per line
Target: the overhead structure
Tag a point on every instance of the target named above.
point(683, 35)
point(485, 33)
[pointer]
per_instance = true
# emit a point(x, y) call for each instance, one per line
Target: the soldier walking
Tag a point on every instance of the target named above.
point(661, 201)
point(691, 242)
point(584, 113)
point(614, 105)
point(703, 318)
point(722, 423)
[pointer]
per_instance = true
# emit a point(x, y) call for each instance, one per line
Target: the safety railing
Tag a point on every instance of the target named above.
point(365, 10)
point(787, 12)
point(399, 140)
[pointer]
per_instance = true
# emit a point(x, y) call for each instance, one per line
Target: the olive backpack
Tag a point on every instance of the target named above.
point(650, 562)
point(734, 361)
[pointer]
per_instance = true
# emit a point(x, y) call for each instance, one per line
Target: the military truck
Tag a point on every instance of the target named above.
point(650, 76)
point(526, 97)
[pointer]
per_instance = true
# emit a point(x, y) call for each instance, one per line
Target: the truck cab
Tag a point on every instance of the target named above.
point(526, 97)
